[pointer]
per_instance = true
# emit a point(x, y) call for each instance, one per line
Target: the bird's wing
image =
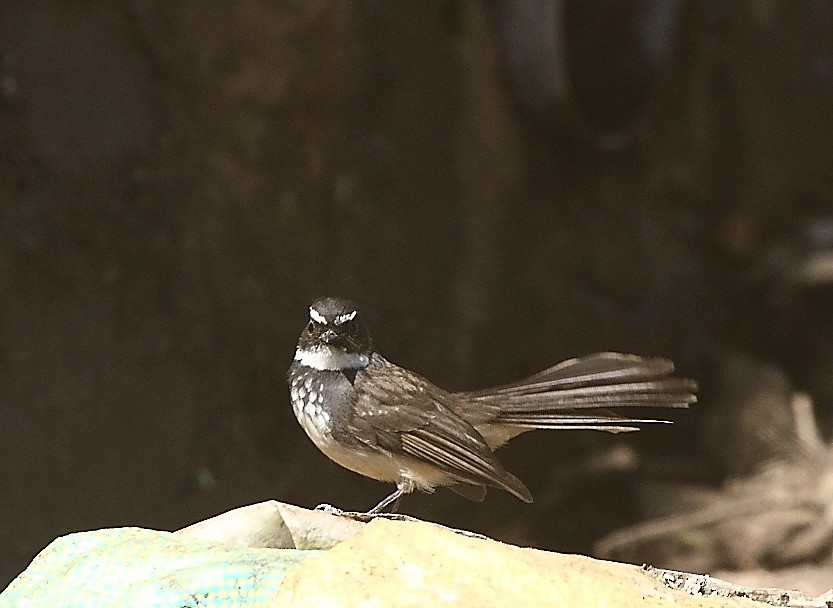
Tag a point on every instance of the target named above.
point(401, 413)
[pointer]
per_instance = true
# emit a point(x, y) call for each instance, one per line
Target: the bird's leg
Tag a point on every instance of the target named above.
point(395, 506)
point(393, 498)
point(405, 486)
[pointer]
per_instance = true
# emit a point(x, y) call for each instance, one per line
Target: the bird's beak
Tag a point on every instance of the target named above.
point(329, 336)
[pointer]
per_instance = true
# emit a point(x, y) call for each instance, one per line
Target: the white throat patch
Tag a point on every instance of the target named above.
point(325, 358)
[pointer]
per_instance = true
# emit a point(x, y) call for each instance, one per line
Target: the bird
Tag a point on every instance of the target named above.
point(388, 423)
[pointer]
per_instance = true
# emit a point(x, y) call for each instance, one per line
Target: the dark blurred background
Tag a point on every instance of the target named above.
point(501, 184)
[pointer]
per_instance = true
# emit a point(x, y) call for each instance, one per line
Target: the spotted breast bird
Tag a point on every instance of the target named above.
point(391, 424)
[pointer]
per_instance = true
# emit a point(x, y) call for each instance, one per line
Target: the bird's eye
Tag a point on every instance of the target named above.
point(310, 327)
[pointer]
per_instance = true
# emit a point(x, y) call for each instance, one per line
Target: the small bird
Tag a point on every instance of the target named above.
point(391, 424)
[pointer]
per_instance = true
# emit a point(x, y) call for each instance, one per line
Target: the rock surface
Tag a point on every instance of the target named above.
point(273, 554)
point(395, 563)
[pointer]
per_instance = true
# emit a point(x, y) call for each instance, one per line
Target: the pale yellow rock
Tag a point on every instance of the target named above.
point(394, 563)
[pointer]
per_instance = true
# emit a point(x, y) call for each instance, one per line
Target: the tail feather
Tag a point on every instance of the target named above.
point(577, 393)
point(555, 401)
point(599, 370)
point(647, 385)
point(611, 423)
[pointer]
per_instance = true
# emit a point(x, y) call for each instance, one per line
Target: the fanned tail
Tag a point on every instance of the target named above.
point(577, 393)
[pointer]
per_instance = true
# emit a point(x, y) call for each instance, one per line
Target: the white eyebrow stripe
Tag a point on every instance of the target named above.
point(340, 319)
point(317, 316)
